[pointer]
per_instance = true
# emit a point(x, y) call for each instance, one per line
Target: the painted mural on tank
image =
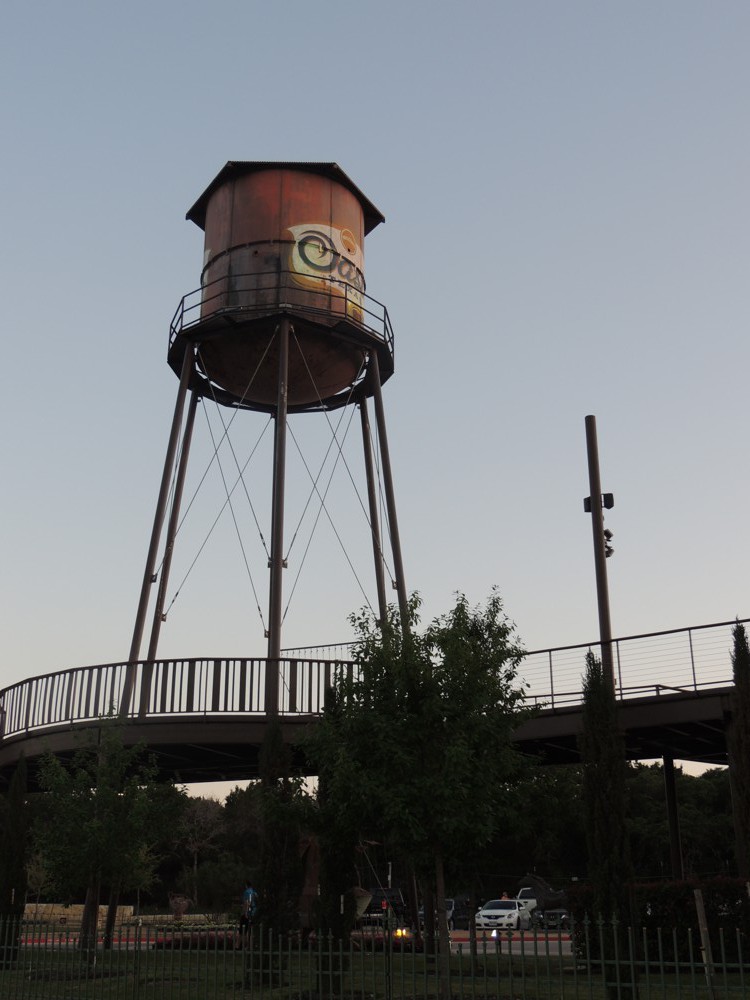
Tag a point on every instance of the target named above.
point(330, 255)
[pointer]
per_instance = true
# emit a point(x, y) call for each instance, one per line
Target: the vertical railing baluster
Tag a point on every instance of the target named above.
point(692, 658)
point(27, 724)
point(216, 686)
point(551, 682)
point(242, 707)
point(174, 686)
point(87, 702)
point(292, 686)
point(52, 698)
point(251, 681)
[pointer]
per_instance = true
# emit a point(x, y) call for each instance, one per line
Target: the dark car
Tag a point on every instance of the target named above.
point(374, 937)
point(553, 920)
point(384, 901)
point(461, 912)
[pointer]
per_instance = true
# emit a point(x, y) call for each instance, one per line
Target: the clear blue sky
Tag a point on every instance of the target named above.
point(565, 188)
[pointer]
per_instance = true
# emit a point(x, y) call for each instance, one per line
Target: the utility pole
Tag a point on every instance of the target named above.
point(594, 504)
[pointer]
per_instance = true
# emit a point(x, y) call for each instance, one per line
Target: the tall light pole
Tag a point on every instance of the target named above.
point(593, 504)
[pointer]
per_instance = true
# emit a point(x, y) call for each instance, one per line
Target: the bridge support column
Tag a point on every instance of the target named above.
point(675, 845)
point(740, 849)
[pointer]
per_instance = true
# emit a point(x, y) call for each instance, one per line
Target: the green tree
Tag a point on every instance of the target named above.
point(242, 828)
point(604, 793)
point(419, 741)
point(338, 833)
point(549, 802)
point(14, 821)
point(285, 812)
point(738, 744)
point(98, 821)
point(647, 819)
point(198, 835)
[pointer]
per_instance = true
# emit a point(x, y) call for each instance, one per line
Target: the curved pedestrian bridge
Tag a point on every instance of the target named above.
point(204, 719)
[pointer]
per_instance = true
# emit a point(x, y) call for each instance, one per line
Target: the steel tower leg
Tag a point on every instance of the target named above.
point(277, 524)
point(377, 547)
point(148, 575)
point(174, 517)
point(390, 498)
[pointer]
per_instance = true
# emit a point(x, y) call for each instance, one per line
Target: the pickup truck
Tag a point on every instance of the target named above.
point(540, 898)
point(382, 901)
point(527, 896)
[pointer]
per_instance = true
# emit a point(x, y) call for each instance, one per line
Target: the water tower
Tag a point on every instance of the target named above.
point(281, 324)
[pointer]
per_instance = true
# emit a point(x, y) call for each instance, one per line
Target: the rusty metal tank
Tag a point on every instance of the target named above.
point(282, 239)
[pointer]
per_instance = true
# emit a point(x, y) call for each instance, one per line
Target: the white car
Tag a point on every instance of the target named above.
point(503, 914)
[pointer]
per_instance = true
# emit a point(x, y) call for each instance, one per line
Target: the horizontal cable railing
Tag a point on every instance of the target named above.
point(686, 659)
point(689, 659)
point(692, 659)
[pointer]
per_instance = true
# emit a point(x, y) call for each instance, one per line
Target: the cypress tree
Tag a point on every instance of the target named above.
point(604, 773)
point(604, 793)
point(738, 744)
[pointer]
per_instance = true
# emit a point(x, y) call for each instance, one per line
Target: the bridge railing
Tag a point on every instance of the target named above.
point(655, 663)
point(686, 659)
point(174, 687)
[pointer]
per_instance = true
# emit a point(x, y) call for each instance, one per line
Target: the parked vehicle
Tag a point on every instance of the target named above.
point(552, 920)
point(373, 937)
point(539, 896)
point(503, 914)
point(528, 896)
point(461, 913)
point(381, 902)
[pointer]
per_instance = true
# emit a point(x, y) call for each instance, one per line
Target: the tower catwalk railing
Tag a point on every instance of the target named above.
point(263, 292)
point(690, 659)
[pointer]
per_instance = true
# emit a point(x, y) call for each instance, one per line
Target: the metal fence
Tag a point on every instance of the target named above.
point(211, 962)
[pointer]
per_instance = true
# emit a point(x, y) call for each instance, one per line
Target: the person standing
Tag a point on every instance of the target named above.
point(249, 909)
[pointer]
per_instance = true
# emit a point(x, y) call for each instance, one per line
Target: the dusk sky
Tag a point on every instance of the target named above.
point(565, 187)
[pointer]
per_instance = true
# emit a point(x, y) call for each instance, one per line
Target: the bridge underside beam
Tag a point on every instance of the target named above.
point(188, 750)
point(685, 726)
